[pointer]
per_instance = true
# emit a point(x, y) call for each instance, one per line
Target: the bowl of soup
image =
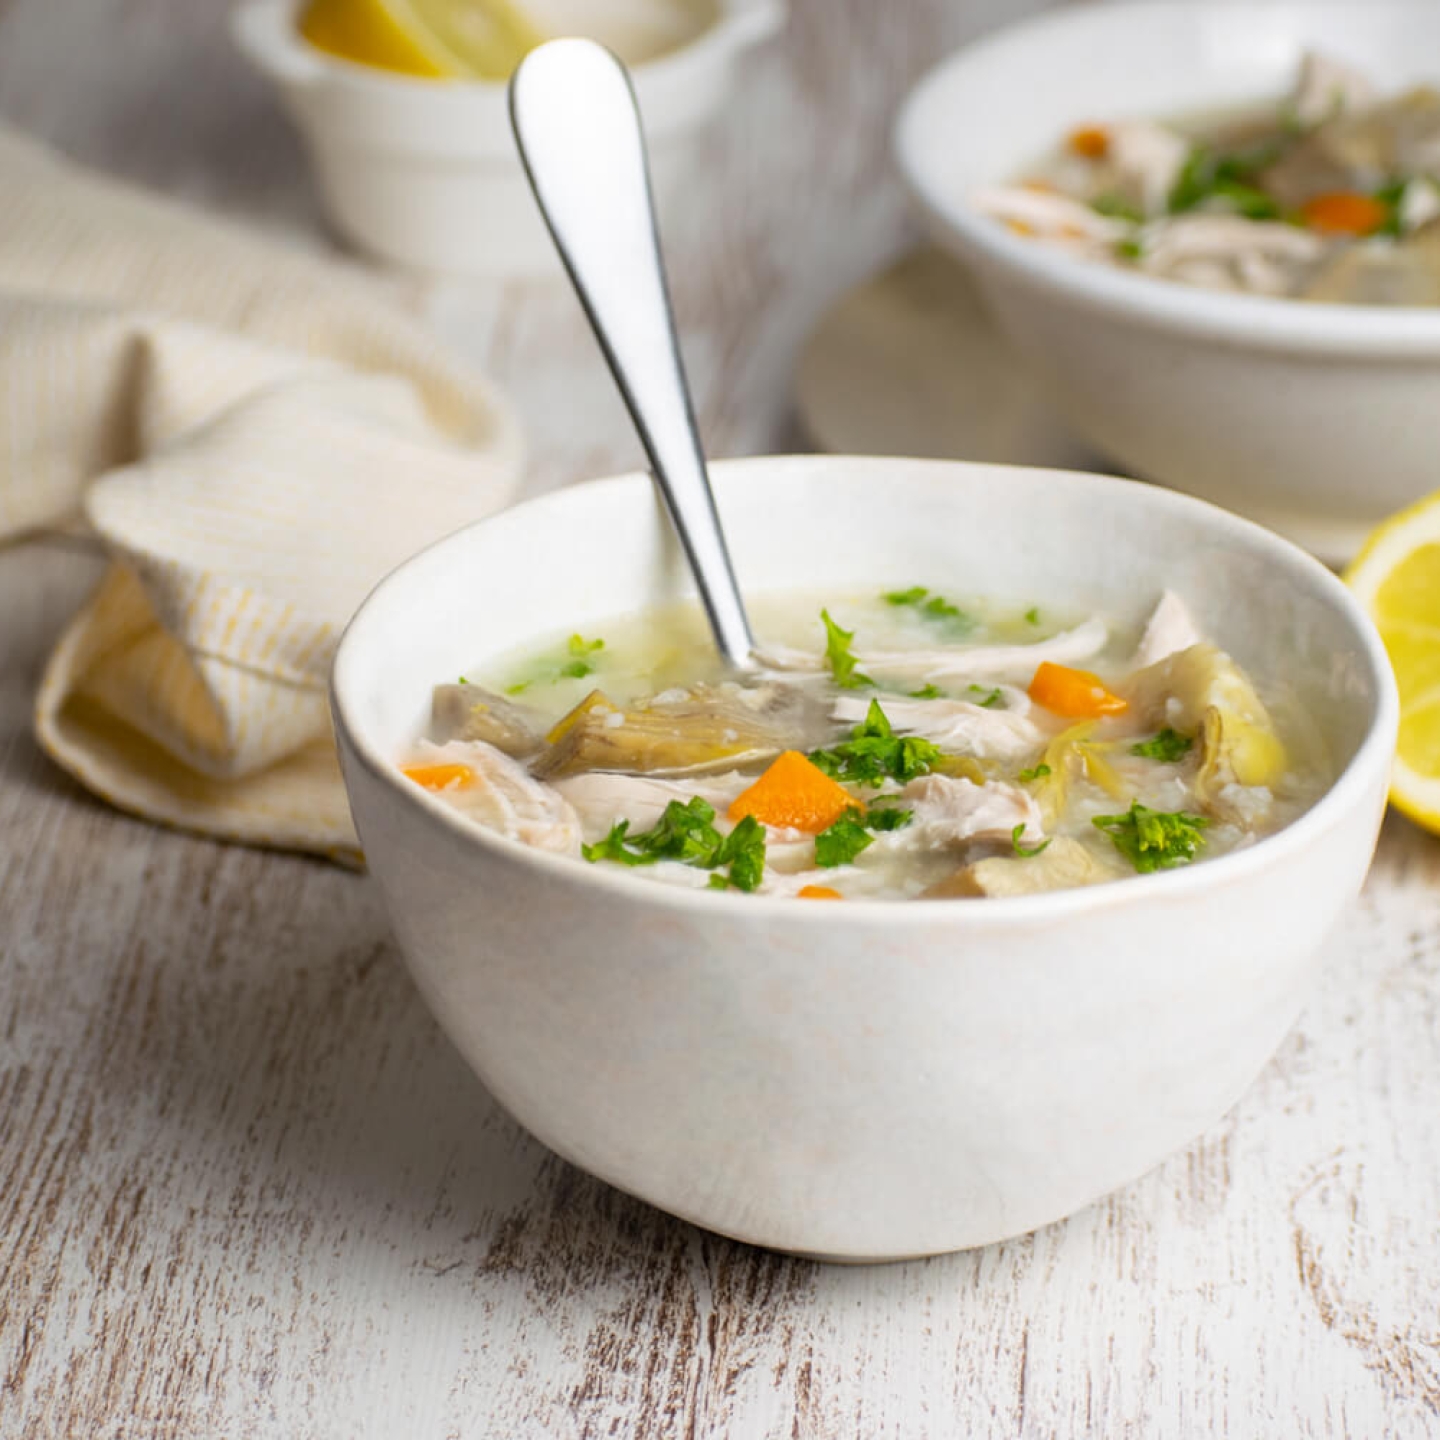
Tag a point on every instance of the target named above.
point(1215, 242)
point(997, 879)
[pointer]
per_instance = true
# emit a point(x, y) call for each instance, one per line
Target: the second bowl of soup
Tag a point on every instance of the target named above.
point(1227, 279)
point(1000, 878)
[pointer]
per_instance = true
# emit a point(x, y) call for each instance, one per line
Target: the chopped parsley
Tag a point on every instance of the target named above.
point(462, 681)
point(1038, 772)
point(928, 692)
point(1117, 207)
point(874, 753)
point(1224, 180)
point(913, 596)
point(851, 833)
point(1151, 840)
point(1027, 851)
point(992, 697)
point(842, 842)
point(575, 664)
point(933, 607)
point(1032, 615)
point(687, 833)
point(842, 662)
point(1130, 249)
point(887, 817)
point(1168, 746)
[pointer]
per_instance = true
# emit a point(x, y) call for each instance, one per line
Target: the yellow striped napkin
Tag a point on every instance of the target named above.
point(255, 436)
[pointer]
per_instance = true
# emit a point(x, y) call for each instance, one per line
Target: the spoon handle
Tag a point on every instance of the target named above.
point(578, 129)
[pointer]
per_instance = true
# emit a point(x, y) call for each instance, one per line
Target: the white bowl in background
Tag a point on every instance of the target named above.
point(861, 1080)
point(1316, 419)
point(425, 172)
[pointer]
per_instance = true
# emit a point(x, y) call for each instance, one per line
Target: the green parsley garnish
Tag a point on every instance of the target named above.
point(842, 662)
point(1038, 772)
point(1214, 176)
point(842, 842)
point(462, 681)
point(1168, 746)
point(1151, 840)
point(928, 692)
point(933, 607)
point(1032, 615)
point(850, 834)
point(687, 833)
point(992, 697)
point(887, 817)
point(1028, 851)
point(1117, 207)
point(874, 753)
point(575, 664)
point(1130, 249)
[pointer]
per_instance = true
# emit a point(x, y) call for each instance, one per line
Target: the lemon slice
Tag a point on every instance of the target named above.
point(1396, 578)
point(437, 39)
point(387, 34)
point(490, 36)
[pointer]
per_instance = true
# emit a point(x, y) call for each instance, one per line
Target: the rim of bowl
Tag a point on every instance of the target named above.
point(1254, 321)
point(1374, 751)
point(736, 25)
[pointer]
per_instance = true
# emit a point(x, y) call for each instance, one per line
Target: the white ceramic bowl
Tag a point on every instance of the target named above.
point(1318, 420)
point(861, 1080)
point(426, 173)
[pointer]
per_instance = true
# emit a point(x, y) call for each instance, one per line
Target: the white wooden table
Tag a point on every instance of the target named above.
point(247, 1190)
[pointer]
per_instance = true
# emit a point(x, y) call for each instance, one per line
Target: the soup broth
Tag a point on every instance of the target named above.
point(917, 744)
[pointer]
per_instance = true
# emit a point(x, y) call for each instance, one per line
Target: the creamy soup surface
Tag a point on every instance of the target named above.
point(1330, 193)
point(916, 744)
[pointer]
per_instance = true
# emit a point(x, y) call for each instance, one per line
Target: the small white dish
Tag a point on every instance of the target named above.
point(1317, 420)
point(861, 1080)
point(425, 172)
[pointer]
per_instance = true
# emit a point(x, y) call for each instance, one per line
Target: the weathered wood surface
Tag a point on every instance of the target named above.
point(247, 1190)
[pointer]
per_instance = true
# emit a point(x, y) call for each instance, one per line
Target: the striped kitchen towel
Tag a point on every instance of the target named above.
point(255, 436)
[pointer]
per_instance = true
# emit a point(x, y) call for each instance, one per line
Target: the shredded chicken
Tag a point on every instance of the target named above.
point(506, 798)
point(1170, 630)
point(987, 662)
point(986, 732)
point(951, 812)
point(601, 797)
point(1326, 87)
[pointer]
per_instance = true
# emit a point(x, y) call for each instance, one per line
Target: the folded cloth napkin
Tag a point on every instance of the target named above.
point(255, 436)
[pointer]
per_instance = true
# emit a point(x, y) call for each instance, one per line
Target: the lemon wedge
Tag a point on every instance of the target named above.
point(1396, 578)
point(435, 39)
point(490, 36)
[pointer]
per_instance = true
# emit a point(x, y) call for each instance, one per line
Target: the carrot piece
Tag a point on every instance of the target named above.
point(1074, 692)
point(818, 892)
point(794, 794)
point(1091, 141)
point(440, 777)
point(1344, 212)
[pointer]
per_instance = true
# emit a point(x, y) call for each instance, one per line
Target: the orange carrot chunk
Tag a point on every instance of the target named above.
point(1344, 212)
point(1091, 141)
point(1076, 693)
point(796, 795)
point(818, 892)
point(440, 777)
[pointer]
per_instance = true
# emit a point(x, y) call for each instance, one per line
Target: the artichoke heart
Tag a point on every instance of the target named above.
point(1064, 864)
point(1202, 692)
point(705, 729)
point(469, 712)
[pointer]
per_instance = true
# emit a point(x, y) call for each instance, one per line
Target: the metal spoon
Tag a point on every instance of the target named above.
point(578, 129)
